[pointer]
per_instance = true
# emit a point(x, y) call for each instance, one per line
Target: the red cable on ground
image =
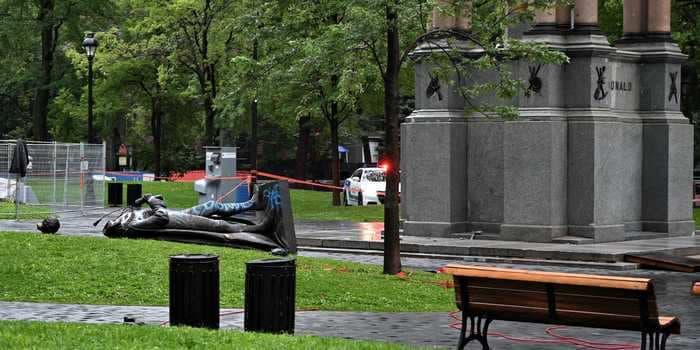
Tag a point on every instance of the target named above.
point(229, 313)
point(559, 339)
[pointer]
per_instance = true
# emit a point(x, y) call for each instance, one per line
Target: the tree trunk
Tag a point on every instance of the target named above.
point(211, 110)
point(302, 147)
point(392, 251)
point(156, 132)
point(43, 90)
point(210, 115)
point(335, 159)
point(254, 123)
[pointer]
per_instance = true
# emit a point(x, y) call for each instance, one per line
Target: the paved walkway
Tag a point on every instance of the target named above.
point(424, 329)
point(367, 236)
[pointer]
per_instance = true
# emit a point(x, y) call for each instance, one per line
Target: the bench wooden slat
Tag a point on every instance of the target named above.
point(570, 318)
point(573, 299)
point(602, 292)
point(568, 304)
point(592, 303)
point(557, 298)
point(505, 284)
point(549, 277)
point(514, 297)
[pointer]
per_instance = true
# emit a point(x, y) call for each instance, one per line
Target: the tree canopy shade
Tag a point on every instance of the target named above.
point(172, 76)
point(34, 30)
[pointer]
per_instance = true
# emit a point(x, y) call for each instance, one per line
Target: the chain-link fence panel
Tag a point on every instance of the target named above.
point(61, 178)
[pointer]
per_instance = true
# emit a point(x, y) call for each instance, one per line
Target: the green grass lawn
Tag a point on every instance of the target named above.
point(318, 205)
point(38, 335)
point(305, 204)
point(48, 268)
point(7, 211)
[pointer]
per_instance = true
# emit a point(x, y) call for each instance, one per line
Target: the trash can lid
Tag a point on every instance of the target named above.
point(286, 261)
point(194, 258)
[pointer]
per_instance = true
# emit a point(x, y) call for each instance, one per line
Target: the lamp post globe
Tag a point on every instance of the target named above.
point(90, 44)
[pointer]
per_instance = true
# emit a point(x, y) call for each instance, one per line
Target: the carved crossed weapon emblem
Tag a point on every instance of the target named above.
point(534, 80)
point(600, 90)
point(433, 87)
point(674, 90)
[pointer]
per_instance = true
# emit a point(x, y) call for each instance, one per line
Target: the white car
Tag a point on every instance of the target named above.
point(362, 186)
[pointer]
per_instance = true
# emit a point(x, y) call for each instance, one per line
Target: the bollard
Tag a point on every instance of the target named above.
point(194, 290)
point(270, 286)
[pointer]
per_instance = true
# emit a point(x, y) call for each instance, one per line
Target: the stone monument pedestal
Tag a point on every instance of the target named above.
point(600, 150)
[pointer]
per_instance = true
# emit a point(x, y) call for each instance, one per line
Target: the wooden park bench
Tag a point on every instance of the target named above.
point(485, 294)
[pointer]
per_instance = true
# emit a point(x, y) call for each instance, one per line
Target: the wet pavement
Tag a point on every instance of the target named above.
point(367, 236)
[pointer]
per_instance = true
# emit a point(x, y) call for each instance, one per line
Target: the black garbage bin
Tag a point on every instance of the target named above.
point(270, 288)
point(133, 192)
point(194, 290)
point(115, 194)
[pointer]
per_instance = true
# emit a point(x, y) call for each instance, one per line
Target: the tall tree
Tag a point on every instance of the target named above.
point(51, 17)
point(54, 23)
point(50, 25)
point(17, 85)
point(392, 257)
point(326, 70)
point(204, 41)
point(375, 30)
point(491, 21)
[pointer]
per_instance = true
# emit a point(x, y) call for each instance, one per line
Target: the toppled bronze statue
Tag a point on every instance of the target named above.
point(213, 223)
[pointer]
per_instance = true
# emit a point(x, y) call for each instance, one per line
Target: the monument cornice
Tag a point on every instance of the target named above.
point(437, 116)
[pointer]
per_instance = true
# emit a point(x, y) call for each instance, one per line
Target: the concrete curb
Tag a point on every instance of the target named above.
point(616, 266)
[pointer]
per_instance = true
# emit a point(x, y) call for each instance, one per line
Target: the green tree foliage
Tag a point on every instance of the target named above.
point(35, 32)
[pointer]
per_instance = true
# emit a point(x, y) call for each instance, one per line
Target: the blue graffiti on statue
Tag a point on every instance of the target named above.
point(273, 197)
point(211, 208)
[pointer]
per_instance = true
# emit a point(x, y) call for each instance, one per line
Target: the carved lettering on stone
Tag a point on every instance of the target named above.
point(618, 85)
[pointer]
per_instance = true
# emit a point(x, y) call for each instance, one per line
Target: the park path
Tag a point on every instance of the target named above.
point(423, 329)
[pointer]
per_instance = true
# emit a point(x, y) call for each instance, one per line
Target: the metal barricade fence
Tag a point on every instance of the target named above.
point(64, 177)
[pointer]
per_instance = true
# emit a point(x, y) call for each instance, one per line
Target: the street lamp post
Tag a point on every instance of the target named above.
point(90, 45)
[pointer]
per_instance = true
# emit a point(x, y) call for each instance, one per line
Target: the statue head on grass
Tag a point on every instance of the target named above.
point(49, 225)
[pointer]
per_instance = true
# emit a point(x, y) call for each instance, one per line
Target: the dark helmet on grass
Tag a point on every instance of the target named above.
point(49, 225)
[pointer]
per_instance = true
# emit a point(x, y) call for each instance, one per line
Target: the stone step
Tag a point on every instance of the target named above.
point(635, 236)
point(620, 266)
point(573, 240)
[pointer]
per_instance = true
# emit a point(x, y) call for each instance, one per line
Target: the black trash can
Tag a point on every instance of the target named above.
point(115, 194)
point(133, 192)
point(270, 289)
point(194, 290)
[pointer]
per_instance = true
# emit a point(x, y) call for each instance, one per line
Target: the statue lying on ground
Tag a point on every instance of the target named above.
point(213, 223)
